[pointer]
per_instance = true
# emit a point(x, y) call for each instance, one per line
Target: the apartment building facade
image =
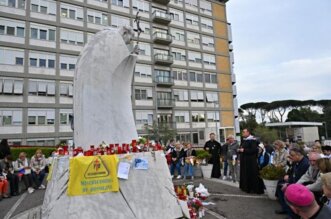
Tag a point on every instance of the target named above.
point(183, 79)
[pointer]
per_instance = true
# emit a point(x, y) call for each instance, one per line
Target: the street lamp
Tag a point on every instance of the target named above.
point(216, 123)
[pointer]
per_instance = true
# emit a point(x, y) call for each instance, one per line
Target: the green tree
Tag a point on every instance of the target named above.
point(160, 132)
point(303, 114)
point(265, 134)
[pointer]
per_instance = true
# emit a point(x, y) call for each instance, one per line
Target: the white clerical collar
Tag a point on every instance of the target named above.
point(251, 137)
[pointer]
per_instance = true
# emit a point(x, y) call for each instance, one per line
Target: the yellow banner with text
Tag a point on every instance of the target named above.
point(93, 174)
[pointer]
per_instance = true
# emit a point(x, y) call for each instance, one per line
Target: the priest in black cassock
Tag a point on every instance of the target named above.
point(249, 179)
point(214, 148)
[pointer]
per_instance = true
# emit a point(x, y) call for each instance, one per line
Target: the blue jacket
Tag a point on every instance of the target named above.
point(298, 170)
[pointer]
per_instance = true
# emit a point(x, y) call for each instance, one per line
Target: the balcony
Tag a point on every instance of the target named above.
point(164, 80)
point(161, 17)
point(163, 2)
point(165, 103)
point(163, 59)
point(162, 38)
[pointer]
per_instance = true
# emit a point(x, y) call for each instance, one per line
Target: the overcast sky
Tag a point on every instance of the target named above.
point(282, 49)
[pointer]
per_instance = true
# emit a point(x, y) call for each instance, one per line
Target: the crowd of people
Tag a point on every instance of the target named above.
point(30, 171)
point(305, 190)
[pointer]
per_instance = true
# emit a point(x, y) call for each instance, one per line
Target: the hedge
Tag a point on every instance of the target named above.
point(30, 151)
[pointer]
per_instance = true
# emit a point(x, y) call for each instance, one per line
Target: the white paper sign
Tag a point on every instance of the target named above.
point(123, 170)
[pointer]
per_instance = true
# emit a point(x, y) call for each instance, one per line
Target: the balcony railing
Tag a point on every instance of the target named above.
point(162, 38)
point(163, 59)
point(163, 2)
point(165, 103)
point(164, 80)
point(161, 17)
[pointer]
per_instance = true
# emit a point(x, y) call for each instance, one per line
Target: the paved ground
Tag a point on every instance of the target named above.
point(229, 201)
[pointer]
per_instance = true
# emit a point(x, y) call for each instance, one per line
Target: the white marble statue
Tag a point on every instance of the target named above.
point(102, 89)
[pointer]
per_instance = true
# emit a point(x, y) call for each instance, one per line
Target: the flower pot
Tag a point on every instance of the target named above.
point(271, 186)
point(206, 170)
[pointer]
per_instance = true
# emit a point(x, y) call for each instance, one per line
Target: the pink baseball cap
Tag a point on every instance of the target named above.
point(299, 195)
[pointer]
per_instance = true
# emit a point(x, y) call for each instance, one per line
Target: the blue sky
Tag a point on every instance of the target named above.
point(282, 49)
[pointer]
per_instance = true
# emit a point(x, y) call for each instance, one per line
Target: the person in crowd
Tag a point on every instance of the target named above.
point(280, 155)
point(263, 157)
point(326, 185)
point(4, 149)
point(300, 165)
point(263, 160)
point(214, 148)
point(268, 148)
point(22, 167)
point(169, 149)
point(189, 156)
point(249, 171)
point(302, 203)
point(8, 168)
point(324, 165)
point(38, 165)
point(224, 158)
point(326, 151)
point(311, 178)
point(232, 157)
point(176, 160)
point(317, 147)
point(3, 185)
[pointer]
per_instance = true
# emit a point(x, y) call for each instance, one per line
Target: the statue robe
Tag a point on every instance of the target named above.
point(102, 91)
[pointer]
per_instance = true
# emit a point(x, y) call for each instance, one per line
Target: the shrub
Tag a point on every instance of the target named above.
point(271, 172)
point(202, 154)
point(30, 151)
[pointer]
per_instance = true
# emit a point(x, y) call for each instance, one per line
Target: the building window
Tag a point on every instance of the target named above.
point(212, 97)
point(194, 57)
point(143, 71)
point(192, 19)
point(11, 27)
point(66, 89)
point(195, 76)
point(121, 3)
point(42, 33)
point(180, 75)
point(41, 116)
point(209, 59)
point(33, 62)
point(41, 88)
point(144, 117)
point(10, 117)
point(140, 5)
point(71, 12)
point(205, 7)
point(210, 78)
point(51, 63)
point(182, 117)
point(72, 37)
point(34, 33)
point(68, 62)
point(206, 23)
point(65, 115)
point(178, 54)
point(117, 21)
point(11, 86)
point(143, 94)
point(181, 95)
point(213, 116)
point(197, 96)
point(198, 117)
point(19, 61)
point(10, 56)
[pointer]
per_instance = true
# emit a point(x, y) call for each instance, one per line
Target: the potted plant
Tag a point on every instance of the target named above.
point(270, 175)
point(203, 158)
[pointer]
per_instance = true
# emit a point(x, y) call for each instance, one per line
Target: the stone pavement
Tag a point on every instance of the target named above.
point(230, 203)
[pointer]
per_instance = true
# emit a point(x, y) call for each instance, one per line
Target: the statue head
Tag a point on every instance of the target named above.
point(127, 33)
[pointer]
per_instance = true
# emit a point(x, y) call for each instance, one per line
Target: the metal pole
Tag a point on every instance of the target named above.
point(216, 133)
point(326, 131)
